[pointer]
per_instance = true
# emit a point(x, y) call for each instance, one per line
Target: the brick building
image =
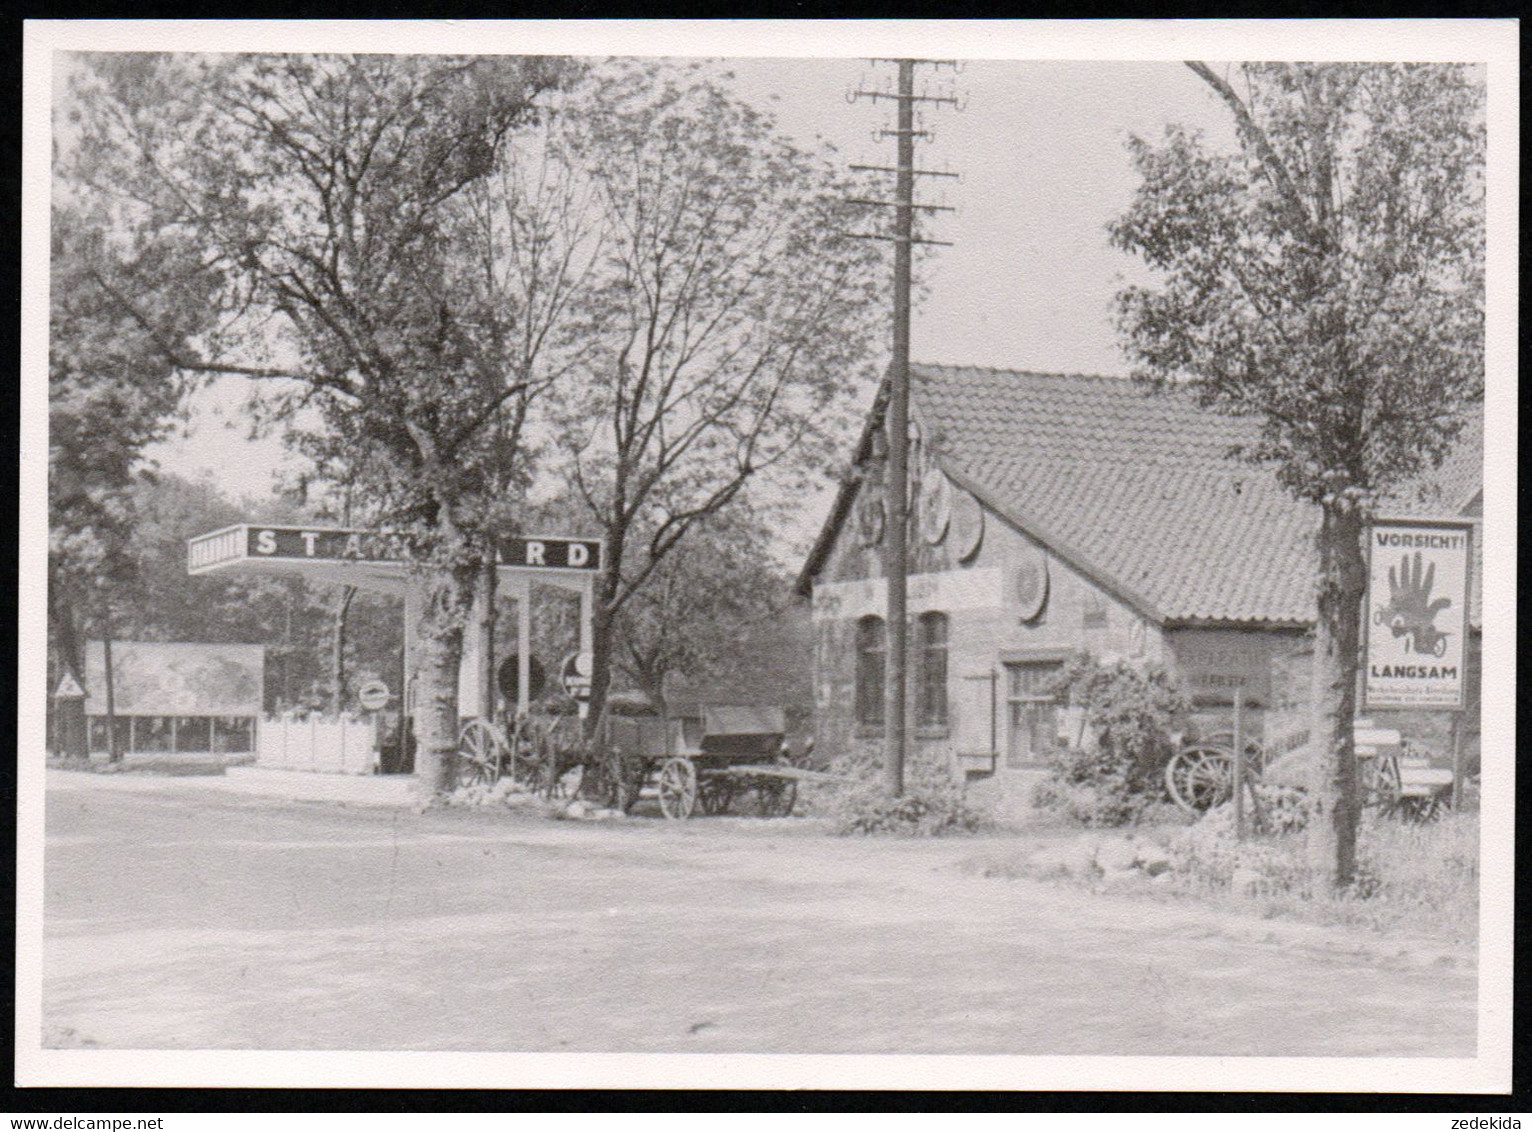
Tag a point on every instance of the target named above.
point(1052, 514)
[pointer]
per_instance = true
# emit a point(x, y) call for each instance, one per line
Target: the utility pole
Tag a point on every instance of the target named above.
point(896, 485)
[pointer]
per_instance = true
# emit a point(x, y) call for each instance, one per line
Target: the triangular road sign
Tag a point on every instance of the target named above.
point(69, 688)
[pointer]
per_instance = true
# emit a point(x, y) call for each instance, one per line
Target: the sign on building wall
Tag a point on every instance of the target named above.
point(1212, 663)
point(1416, 613)
point(945, 590)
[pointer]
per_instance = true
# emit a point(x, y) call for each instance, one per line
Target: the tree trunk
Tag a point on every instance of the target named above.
point(338, 649)
point(1342, 584)
point(485, 585)
point(71, 734)
point(113, 747)
point(62, 630)
point(446, 599)
point(651, 680)
point(603, 624)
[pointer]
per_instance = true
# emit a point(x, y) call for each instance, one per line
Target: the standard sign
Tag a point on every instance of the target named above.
point(1416, 615)
point(373, 695)
point(551, 553)
point(321, 544)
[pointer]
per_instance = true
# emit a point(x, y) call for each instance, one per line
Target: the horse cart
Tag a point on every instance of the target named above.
point(722, 759)
point(719, 760)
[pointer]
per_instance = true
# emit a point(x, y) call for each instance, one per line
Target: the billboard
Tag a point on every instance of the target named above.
point(1416, 613)
point(165, 678)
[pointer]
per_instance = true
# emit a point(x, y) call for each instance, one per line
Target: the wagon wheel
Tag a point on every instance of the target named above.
point(775, 796)
point(714, 793)
point(1255, 754)
point(678, 788)
point(479, 753)
point(1419, 809)
point(1200, 777)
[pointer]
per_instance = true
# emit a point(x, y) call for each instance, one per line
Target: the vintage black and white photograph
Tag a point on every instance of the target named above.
point(802, 554)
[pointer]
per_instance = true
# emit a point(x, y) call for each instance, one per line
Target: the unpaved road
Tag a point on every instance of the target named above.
point(182, 916)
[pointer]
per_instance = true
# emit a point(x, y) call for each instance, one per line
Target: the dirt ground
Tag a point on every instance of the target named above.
point(181, 916)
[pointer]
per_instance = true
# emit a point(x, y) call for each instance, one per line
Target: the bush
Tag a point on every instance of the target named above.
point(1103, 803)
point(1284, 809)
point(1117, 772)
point(915, 814)
point(932, 804)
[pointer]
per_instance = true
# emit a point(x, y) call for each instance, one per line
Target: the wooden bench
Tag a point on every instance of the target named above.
point(1399, 783)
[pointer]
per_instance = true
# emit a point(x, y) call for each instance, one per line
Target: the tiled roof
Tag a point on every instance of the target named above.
point(1137, 489)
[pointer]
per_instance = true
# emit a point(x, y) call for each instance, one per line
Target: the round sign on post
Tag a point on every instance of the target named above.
point(373, 695)
point(507, 679)
point(575, 675)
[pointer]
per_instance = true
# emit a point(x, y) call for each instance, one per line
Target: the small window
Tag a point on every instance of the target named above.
point(1031, 710)
point(871, 648)
point(931, 670)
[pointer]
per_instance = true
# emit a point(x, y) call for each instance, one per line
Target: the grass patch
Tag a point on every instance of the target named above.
point(1416, 878)
point(1413, 879)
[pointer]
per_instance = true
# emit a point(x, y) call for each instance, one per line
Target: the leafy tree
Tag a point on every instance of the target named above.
point(329, 197)
point(111, 392)
point(1327, 279)
point(702, 606)
point(727, 319)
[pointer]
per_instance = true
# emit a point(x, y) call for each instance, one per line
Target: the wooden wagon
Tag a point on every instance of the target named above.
point(723, 758)
point(719, 759)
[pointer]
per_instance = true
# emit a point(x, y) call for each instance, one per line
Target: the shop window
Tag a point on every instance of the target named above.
point(931, 670)
point(1032, 713)
point(871, 649)
point(151, 733)
point(233, 734)
point(194, 733)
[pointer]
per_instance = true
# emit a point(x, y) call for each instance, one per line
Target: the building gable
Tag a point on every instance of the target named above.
point(1137, 490)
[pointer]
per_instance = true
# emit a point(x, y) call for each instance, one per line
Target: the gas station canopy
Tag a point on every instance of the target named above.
point(375, 560)
point(379, 561)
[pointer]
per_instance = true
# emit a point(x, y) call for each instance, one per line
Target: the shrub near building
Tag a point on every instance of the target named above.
point(1114, 773)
